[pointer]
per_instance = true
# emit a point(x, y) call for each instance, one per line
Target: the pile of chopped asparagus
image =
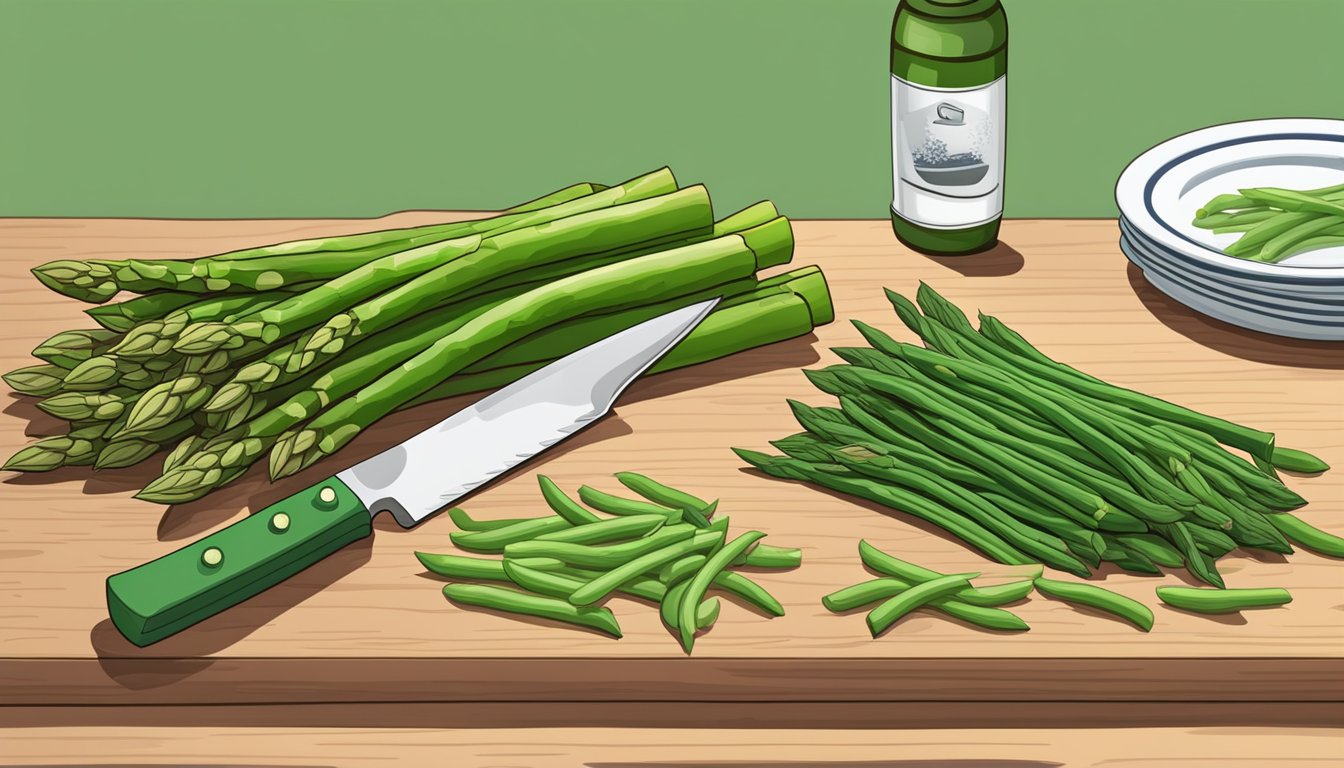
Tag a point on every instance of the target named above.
point(1276, 223)
point(289, 351)
point(663, 548)
point(1031, 461)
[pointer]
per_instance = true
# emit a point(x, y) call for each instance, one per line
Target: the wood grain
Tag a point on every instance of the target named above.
point(671, 748)
point(368, 624)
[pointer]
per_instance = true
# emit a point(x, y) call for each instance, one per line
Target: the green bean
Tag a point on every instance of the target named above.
point(697, 511)
point(643, 587)
point(1046, 547)
point(980, 616)
point(466, 522)
point(681, 569)
point(999, 594)
point(967, 530)
point(1307, 535)
point(745, 588)
point(990, 420)
point(1072, 503)
point(893, 609)
point(864, 593)
point(872, 591)
point(563, 505)
point(699, 583)
point(615, 505)
point(1152, 547)
point(1211, 541)
point(1286, 244)
point(1295, 200)
point(1253, 529)
point(1235, 222)
point(1298, 461)
point(1065, 528)
point(606, 583)
point(458, 567)
point(539, 563)
point(767, 556)
point(1205, 448)
point(552, 584)
point(604, 531)
point(1050, 402)
point(882, 562)
point(513, 601)
point(1038, 444)
point(1222, 600)
point(1179, 534)
point(706, 613)
point(1010, 468)
point(1037, 363)
point(608, 556)
point(495, 540)
point(1093, 596)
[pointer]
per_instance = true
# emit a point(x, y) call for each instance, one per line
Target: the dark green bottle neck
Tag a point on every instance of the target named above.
point(949, 43)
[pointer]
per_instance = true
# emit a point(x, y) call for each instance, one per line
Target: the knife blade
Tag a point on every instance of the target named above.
point(411, 481)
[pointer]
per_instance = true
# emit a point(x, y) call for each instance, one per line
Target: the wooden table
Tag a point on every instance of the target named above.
point(368, 626)
point(677, 748)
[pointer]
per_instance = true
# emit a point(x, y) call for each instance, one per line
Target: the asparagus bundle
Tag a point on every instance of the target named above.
point(1031, 461)
point(228, 358)
point(1277, 223)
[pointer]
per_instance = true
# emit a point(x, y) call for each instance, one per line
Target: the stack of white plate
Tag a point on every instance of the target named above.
point(1158, 194)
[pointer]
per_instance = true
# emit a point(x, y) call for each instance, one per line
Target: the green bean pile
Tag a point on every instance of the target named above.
point(662, 548)
point(1031, 461)
point(904, 587)
point(1277, 223)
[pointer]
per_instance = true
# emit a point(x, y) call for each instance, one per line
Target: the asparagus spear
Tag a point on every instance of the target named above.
point(680, 270)
point(97, 281)
point(40, 380)
point(79, 448)
point(68, 349)
point(454, 229)
point(155, 338)
point(683, 214)
point(89, 406)
point(125, 315)
point(728, 330)
point(123, 450)
point(169, 402)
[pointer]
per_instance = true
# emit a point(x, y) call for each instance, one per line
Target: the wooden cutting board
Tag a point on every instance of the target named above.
point(369, 625)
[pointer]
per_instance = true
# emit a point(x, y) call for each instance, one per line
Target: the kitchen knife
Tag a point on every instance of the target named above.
point(411, 480)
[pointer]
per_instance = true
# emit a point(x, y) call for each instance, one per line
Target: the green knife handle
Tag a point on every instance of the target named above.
point(169, 594)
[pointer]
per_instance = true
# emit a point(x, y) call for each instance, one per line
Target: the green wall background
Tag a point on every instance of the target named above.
point(238, 108)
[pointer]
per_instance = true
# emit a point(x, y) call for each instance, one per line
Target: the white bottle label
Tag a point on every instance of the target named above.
point(947, 153)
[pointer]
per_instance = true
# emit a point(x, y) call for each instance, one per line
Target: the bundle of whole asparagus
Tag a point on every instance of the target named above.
point(1032, 461)
point(663, 548)
point(291, 350)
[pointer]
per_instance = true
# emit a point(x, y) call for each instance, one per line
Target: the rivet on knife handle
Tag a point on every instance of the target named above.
point(171, 593)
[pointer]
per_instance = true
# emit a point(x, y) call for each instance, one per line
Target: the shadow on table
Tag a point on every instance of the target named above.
point(1231, 340)
point(1000, 261)
point(179, 656)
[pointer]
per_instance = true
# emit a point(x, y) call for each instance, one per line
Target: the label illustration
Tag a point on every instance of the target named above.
point(947, 153)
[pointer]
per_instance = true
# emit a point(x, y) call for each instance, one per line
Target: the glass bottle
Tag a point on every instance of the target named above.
point(949, 63)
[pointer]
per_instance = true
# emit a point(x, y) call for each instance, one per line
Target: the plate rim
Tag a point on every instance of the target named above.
point(1331, 319)
point(1176, 259)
